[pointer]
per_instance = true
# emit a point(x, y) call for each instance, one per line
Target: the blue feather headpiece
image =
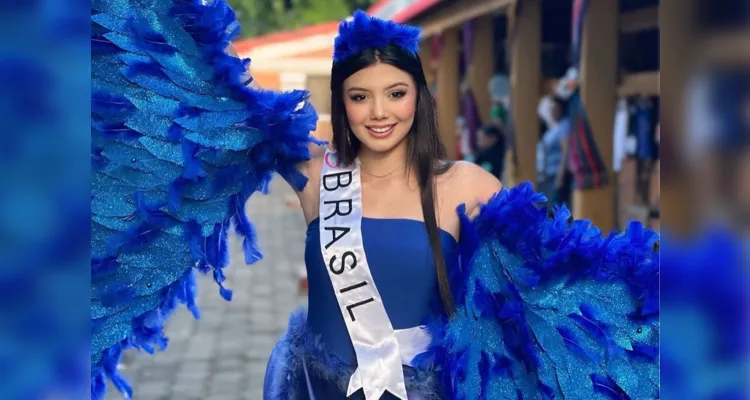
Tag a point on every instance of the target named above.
point(364, 32)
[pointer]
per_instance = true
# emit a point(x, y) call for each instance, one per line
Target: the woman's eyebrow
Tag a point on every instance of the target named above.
point(353, 88)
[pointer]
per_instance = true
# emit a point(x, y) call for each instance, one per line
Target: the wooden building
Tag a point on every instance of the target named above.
point(625, 45)
point(534, 40)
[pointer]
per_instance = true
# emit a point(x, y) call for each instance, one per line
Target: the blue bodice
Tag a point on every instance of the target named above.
point(398, 252)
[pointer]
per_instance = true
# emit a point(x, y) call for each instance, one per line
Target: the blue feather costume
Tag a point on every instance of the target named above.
point(550, 308)
point(179, 143)
point(547, 308)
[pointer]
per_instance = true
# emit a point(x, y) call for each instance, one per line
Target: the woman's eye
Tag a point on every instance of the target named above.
point(398, 95)
point(357, 97)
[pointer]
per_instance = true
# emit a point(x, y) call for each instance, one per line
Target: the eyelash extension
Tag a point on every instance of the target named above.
point(361, 97)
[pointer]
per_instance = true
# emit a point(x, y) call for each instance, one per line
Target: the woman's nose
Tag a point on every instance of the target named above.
point(377, 111)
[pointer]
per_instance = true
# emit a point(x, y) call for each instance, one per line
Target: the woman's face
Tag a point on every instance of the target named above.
point(380, 103)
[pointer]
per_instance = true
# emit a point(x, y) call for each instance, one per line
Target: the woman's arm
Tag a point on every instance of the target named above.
point(479, 185)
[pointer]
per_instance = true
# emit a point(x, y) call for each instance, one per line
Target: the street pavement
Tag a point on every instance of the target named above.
point(224, 354)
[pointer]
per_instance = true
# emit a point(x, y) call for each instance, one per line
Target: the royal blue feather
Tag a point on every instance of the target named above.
point(102, 266)
point(117, 294)
point(175, 133)
point(489, 304)
point(102, 45)
point(165, 90)
point(364, 32)
point(608, 387)
point(144, 68)
point(562, 301)
point(107, 103)
point(573, 345)
point(644, 352)
point(588, 322)
point(149, 39)
point(547, 392)
point(484, 374)
point(193, 169)
point(249, 242)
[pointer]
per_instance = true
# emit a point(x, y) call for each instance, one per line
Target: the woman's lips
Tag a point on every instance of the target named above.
point(381, 131)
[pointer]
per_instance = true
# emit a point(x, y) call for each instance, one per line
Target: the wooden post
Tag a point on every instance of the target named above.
point(525, 33)
point(425, 54)
point(482, 64)
point(599, 66)
point(447, 97)
point(675, 18)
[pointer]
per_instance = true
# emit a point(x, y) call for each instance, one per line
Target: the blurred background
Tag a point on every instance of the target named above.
point(503, 75)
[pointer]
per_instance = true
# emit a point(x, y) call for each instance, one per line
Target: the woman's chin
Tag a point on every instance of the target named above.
point(382, 144)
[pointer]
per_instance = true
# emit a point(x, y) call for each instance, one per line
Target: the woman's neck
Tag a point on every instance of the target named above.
point(383, 163)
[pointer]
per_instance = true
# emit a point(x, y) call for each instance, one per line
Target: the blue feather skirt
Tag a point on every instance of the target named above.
point(301, 369)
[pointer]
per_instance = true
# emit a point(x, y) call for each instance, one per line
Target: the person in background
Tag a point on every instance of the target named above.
point(492, 147)
point(464, 140)
point(540, 174)
point(554, 177)
point(499, 89)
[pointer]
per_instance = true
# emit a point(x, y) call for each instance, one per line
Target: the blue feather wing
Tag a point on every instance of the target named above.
point(552, 309)
point(179, 143)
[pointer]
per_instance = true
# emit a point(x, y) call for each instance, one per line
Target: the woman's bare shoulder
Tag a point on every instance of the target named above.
point(470, 184)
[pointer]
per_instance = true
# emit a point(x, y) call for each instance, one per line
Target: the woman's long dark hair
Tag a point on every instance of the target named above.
point(424, 150)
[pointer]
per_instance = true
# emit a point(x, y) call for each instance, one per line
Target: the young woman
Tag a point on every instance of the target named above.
point(426, 281)
point(384, 119)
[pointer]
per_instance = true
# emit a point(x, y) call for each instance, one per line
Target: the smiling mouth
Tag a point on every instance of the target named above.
point(382, 130)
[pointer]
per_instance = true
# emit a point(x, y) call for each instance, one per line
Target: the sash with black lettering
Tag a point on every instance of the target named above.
point(375, 343)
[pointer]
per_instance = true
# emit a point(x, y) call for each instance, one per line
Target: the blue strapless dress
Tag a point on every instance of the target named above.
point(403, 268)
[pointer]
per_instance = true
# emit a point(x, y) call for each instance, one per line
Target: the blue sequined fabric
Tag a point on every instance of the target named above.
point(178, 144)
point(550, 308)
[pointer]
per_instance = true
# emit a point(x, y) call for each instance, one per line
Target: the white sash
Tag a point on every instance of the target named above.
point(379, 349)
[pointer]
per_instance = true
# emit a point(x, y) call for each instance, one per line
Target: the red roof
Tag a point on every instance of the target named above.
point(377, 6)
point(404, 11)
point(246, 45)
point(418, 7)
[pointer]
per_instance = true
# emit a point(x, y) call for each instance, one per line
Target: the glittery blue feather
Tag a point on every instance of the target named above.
point(102, 266)
point(550, 308)
point(179, 143)
point(144, 68)
point(147, 39)
point(364, 32)
point(569, 338)
point(109, 103)
point(608, 387)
